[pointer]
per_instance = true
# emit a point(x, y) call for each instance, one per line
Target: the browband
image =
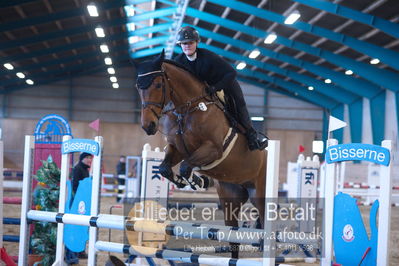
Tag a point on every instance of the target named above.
point(150, 73)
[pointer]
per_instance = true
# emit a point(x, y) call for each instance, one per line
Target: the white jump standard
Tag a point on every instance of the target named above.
point(356, 151)
point(95, 145)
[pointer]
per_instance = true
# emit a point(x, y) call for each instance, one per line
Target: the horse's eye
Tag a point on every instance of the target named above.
point(158, 85)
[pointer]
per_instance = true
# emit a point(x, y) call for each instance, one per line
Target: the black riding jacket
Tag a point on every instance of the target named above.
point(79, 172)
point(211, 68)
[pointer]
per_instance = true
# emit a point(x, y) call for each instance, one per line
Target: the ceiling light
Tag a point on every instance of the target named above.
point(129, 10)
point(100, 32)
point(348, 72)
point(131, 26)
point(8, 66)
point(374, 61)
point(294, 16)
point(108, 61)
point(310, 88)
point(115, 85)
point(257, 118)
point(270, 38)
point(111, 70)
point(92, 10)
point(20, 75)
point(104, 48)
point(29, 81)
point(134, 39)
point(328, 81)
point(254, 54)
point(113, 79)
point(241, 65)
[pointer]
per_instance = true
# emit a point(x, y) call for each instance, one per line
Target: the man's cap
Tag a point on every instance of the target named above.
point(84, 155)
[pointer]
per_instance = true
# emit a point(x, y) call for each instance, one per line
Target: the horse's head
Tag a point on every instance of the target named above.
point(152, 89)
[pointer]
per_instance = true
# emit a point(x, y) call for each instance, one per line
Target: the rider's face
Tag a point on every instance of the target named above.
point(189, 48)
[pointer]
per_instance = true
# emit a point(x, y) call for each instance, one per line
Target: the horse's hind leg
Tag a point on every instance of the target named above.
point(258, 198)
point(232, 197)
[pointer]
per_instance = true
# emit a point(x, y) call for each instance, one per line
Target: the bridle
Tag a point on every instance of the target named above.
point(161, 105)
point(178, 111)
point(149, 104)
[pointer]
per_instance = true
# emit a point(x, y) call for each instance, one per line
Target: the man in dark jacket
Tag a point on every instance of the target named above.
point(81, 170)
point(211, 68)
point(121, 170)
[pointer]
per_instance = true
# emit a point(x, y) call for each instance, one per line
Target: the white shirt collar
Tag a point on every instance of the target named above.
point(192, 57)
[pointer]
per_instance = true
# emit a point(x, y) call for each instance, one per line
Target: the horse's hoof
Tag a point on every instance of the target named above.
point(179, 181)
point(198, 182)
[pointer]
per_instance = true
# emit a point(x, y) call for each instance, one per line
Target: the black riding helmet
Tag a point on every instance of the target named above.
point(187, 34)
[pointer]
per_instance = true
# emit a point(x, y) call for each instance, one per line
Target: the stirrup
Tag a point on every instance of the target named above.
point(258, 144)
point(263, 144)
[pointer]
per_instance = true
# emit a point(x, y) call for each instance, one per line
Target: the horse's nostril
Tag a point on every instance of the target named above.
point(152, 125)
point(151, 129)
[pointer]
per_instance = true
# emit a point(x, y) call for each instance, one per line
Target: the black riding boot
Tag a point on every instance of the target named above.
point(252, 136)
point(254, 142)
point(243, 118)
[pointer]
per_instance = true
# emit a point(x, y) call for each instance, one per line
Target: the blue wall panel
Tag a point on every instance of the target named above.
point(397, 107)
point(377, 110)
point(356, 120)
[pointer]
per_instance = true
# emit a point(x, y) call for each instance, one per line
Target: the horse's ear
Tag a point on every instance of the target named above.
point(162, 54)
point(159, 59)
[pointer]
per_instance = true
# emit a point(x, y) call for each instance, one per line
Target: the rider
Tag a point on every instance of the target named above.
point(211, 68)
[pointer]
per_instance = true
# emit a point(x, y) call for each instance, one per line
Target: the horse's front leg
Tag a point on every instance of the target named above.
point(204, 155)
point(172, 157)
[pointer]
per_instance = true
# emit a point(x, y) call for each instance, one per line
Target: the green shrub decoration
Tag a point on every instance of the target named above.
point(45, 198)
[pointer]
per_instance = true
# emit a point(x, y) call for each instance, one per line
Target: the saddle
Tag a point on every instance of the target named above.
point(230, 111)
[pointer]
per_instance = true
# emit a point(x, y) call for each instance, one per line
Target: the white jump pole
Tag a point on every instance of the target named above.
point(271, 195)
point(329, 193)
point(178, 229)
point(166, 254)
point(26, 201)
point(95, 194)
point(65, 164)
point(384, 216)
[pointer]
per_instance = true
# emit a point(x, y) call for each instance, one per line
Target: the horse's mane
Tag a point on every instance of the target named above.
point(177, 64)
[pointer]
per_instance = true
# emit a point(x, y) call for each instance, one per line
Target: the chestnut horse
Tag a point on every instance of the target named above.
point(196, 129)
